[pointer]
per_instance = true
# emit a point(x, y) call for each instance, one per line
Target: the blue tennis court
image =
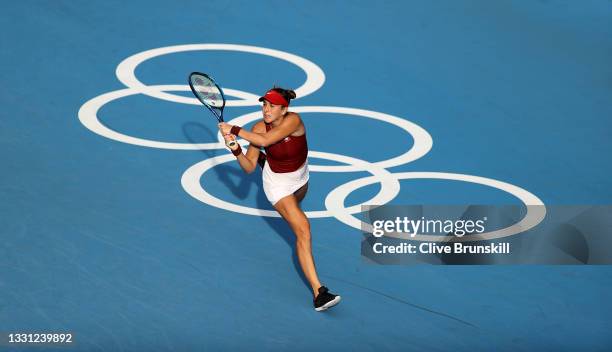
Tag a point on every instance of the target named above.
point(128, 224)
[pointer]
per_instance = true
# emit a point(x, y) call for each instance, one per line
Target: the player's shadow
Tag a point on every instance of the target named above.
point(241, 184)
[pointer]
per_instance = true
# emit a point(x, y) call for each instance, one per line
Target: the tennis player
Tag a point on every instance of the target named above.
point(285, 174)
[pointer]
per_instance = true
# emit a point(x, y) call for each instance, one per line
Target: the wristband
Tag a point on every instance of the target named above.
point(235, 130)
point(237, 151)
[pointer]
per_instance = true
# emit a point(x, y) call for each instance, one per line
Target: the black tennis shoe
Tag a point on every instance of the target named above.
point(325, 300)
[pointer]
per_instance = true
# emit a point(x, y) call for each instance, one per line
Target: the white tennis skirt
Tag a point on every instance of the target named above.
point(279, 185)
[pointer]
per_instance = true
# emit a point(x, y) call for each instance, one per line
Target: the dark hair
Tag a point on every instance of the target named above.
point(288, 94)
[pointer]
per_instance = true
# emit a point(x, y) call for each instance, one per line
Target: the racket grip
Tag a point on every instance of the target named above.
point(231, 144)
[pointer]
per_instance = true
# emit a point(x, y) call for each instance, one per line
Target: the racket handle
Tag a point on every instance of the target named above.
point(231, 144)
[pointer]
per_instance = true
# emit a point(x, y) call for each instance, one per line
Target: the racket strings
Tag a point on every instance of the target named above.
point(208, 91)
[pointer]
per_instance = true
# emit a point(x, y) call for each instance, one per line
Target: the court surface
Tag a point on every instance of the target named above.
point(124, 222)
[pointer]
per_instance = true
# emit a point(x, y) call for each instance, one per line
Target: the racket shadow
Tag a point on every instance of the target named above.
point(199, 133)
point(226, 173)
point(196, 132)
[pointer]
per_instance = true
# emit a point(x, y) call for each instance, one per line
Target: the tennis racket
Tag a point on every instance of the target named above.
point(210, 95)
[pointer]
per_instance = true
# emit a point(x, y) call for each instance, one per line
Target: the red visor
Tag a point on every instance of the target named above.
point(274, 97)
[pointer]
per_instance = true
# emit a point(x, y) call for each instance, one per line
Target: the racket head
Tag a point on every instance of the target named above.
point(208, 93)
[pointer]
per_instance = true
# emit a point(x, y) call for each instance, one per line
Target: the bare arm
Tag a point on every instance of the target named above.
point(248, 161)
point(262, 138)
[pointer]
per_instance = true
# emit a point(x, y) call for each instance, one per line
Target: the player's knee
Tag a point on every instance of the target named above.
point(303, 232)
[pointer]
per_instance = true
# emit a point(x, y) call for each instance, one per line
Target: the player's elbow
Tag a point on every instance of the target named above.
point(251, 168)
point(263, 141)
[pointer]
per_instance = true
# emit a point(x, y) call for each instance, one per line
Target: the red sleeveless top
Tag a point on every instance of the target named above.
point(288, 154)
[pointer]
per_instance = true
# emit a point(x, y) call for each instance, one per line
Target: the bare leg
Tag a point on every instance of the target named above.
point(289, 209)
point(301, 193)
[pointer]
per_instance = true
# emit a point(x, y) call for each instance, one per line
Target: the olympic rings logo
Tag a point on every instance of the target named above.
point(335, 200)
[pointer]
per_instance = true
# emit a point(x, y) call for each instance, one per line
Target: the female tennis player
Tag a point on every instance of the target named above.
point(285, 174)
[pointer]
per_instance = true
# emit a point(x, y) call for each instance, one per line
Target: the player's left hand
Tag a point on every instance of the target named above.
point(225, 128)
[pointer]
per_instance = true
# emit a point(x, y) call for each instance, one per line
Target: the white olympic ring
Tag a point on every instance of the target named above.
point(315, 78)
point(190, 181)
point(334, 202)
point(88, 115)
point(535, 207)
